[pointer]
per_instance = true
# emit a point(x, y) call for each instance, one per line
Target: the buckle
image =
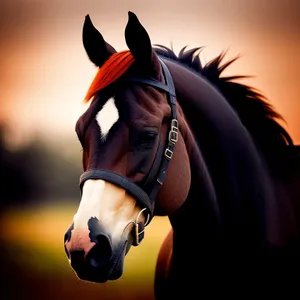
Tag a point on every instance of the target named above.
point(174, 123)
point(173, 134)
point(168, 154)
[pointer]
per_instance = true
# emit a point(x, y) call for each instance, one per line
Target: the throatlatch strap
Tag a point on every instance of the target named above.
point(172, 138)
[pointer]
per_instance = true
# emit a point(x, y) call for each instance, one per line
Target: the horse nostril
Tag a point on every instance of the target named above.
point(68, 233)
point(67, 238)
point(77, 258)
point(100, 254)
point(67, 252)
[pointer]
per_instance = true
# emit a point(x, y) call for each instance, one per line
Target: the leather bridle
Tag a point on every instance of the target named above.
point(146, 198)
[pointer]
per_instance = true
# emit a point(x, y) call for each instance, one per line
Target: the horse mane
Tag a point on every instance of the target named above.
point(253, 108)
point(117, 64)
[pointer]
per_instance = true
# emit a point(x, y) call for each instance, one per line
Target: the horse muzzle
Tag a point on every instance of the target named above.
point(92, 253)
point(103, 229)
point(96, 259)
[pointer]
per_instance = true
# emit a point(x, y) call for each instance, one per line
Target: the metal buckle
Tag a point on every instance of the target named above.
point(173, 134)
point(168, 153)
point(137, 233)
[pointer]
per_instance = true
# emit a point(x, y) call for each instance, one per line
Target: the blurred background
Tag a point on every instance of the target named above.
point(45, 74)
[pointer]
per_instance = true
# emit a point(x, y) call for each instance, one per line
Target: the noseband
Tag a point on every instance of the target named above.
point(146, 194)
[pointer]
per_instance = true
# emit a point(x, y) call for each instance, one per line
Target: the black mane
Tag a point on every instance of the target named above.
point(253, 109)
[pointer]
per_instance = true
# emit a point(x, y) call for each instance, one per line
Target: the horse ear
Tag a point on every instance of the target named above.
point(138, 41)
point(95, 46)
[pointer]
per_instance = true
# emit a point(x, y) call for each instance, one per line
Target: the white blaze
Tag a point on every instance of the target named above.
point(107, 116)
point(110, 204)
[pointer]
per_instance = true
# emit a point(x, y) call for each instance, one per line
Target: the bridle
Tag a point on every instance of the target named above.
point(146, 194)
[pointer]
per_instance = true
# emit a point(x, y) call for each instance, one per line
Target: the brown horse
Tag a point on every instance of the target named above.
point(166, 135)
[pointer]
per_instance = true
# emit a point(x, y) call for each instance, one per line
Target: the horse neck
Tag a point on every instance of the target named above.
point(235, 187)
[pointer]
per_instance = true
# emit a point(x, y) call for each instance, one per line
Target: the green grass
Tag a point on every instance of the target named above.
point(32, 239)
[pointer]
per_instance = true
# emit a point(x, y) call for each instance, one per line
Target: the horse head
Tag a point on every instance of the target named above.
point(131, 169)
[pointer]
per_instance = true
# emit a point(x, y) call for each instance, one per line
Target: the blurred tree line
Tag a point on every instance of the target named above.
point(38, 172)
point(42, 171)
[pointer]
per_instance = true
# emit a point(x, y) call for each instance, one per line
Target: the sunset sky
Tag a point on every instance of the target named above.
point(44, 76)
point(45, 72)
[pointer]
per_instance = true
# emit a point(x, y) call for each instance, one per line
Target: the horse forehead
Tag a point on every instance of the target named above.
point(142, 95)
point(133, 103)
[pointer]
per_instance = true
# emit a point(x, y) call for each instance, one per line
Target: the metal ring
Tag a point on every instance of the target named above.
point(137, 233)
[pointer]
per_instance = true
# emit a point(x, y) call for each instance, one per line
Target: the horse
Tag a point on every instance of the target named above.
point(166, 135)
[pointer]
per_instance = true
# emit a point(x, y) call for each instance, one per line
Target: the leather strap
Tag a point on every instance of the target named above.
point(119, 180)
point(147, 199)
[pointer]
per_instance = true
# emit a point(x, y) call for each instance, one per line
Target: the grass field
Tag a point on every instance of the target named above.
point(35, 265)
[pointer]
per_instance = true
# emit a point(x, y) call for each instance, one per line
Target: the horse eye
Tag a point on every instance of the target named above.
point(146, 139)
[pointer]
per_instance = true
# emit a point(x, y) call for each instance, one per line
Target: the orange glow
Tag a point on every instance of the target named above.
point(45, 75)
point(45, 72)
